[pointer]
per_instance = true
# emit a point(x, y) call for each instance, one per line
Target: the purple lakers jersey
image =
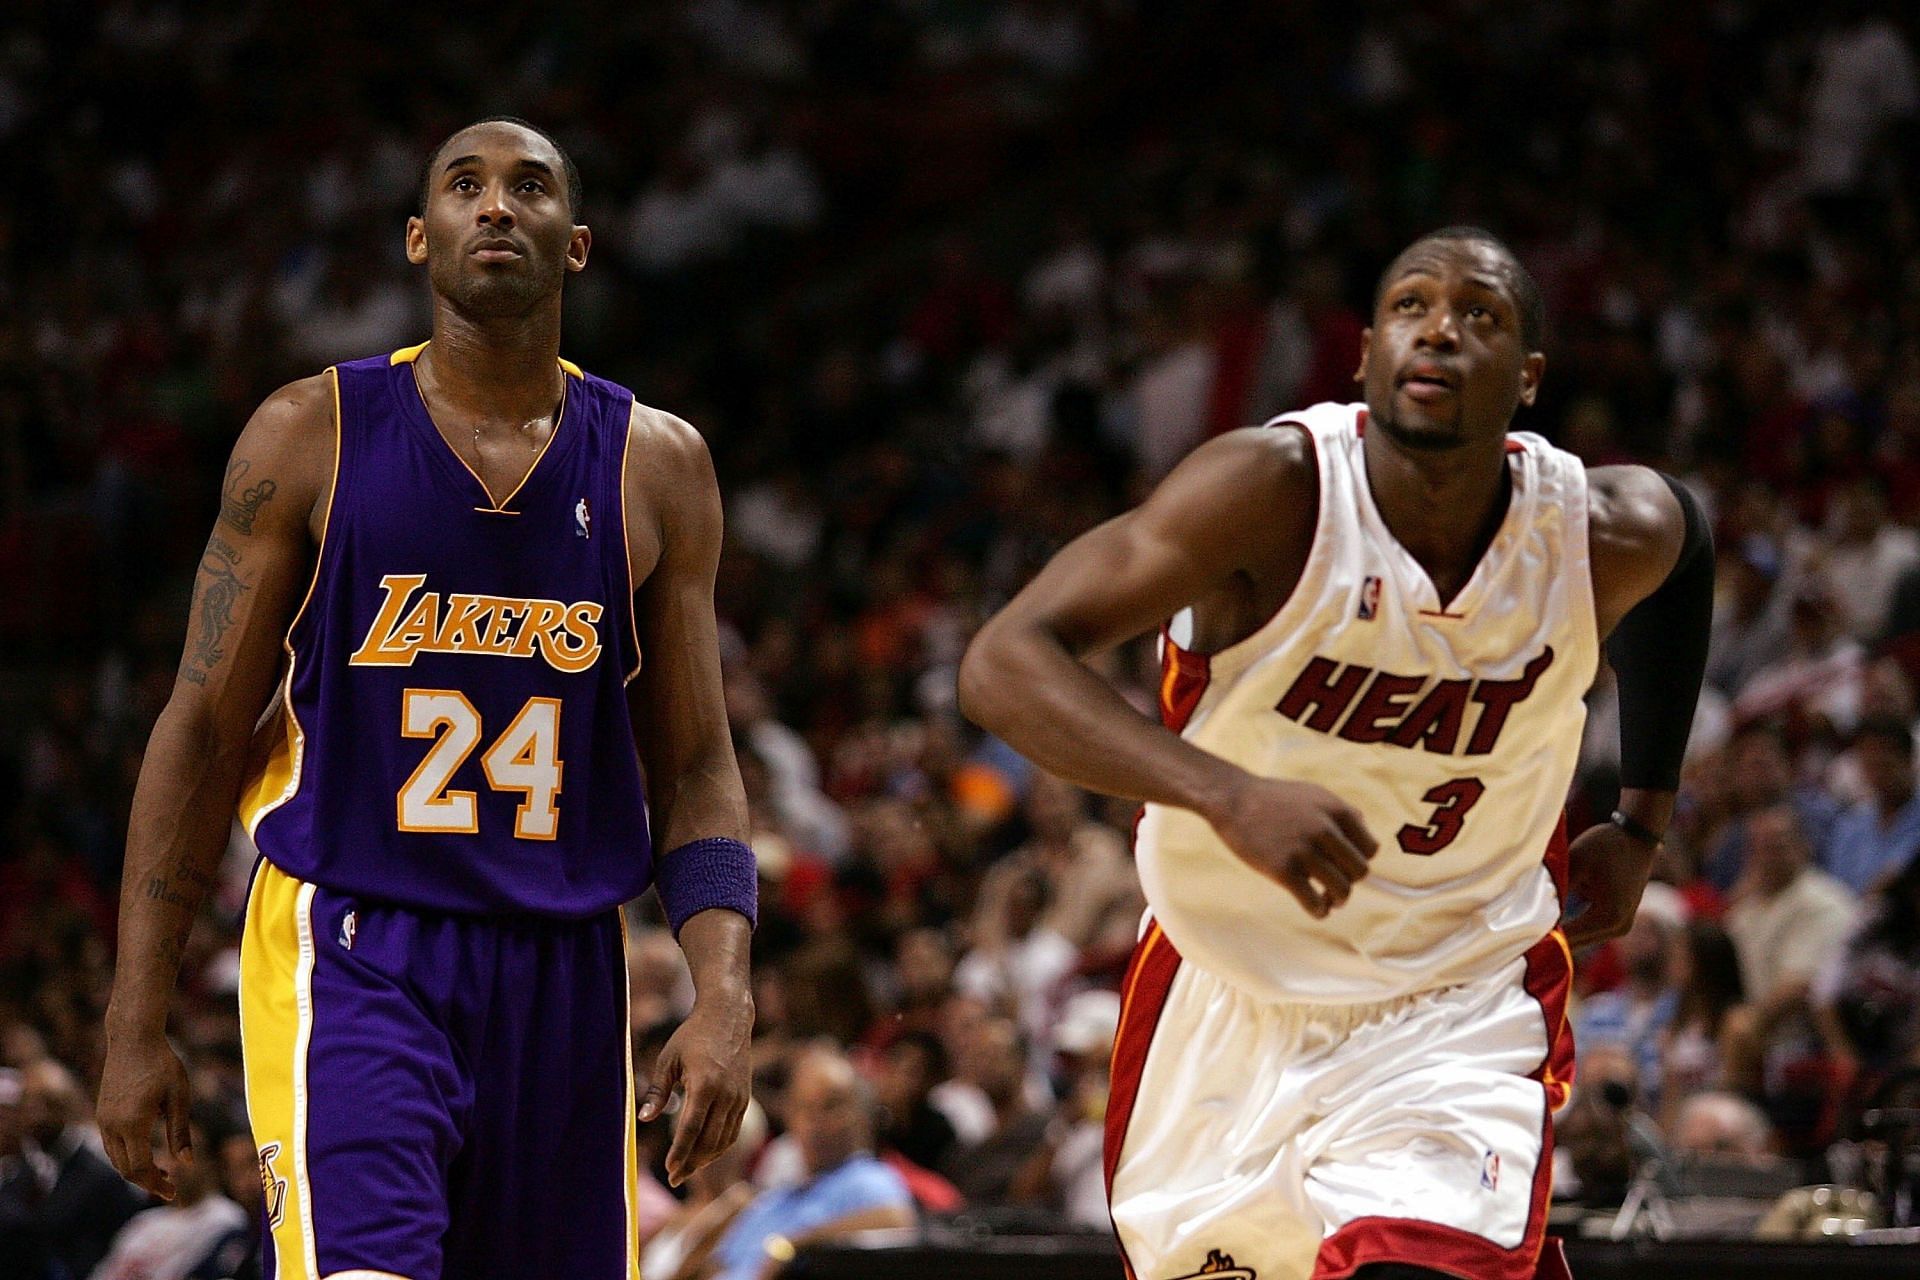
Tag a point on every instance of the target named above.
point(454, 731)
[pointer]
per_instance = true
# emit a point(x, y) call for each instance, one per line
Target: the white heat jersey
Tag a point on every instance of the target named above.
point(1454, 731)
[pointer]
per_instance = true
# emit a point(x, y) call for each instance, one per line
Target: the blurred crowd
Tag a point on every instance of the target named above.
point(945, 282)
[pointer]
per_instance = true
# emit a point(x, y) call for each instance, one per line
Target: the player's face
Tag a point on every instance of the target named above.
point(498, 237)
point(1444, 364)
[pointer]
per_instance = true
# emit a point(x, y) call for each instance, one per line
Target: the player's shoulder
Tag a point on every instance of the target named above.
point(1632, 512)
point(295, 429)
point(1275, 460)
point(303, 407)
point(665, 443)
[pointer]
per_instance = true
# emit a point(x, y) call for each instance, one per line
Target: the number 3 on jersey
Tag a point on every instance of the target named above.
point(524, 758)
point(1451, 800)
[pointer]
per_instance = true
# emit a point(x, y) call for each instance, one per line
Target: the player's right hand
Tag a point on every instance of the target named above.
point(144, 1082)
point(1301, 836)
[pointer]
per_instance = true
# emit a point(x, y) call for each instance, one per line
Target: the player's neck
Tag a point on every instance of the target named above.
point(1443, 506)
point(507, 369)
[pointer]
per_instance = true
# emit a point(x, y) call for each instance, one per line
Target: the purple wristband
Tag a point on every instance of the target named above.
point(713, 872)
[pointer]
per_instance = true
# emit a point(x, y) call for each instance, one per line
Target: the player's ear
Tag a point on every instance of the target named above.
point(1366, 349)
point(1531, 370)
point(416, 241)
point(577, 249)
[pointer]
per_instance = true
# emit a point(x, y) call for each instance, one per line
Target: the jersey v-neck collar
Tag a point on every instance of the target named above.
point(415, 407)
point(1520, 502)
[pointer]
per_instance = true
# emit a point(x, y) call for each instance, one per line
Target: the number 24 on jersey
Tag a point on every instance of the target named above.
point(524, 758)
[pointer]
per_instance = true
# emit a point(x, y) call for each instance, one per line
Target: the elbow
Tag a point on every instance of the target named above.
point(981, 679)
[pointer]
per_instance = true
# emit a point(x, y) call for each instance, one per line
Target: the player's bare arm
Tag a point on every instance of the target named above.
point(1652, 595)
point(674, 520)
point(1228, 530)
point(251, 575)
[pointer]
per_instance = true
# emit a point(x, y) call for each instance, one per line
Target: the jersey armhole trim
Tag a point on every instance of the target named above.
point(626, 550)
point(1244, 646)
point(255, 804)
point(1582, 531)
point(326, 518)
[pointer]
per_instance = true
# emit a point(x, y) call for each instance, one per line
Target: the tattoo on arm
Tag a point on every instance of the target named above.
point(220, 590)
point(160, 890)
point(240, 502)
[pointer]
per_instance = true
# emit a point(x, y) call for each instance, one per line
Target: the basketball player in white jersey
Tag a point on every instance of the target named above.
point(1343, 1033)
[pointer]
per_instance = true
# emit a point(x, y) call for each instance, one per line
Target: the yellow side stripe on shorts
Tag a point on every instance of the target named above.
point(276, 1029)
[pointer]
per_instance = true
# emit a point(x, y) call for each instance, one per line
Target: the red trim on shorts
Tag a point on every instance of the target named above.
point(1549, 980)
point(1183, 681)
point(1143, 996)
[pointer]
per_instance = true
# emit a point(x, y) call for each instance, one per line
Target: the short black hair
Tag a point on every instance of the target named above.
point(1892, 730)
point(1526, 291)
point(575, 193)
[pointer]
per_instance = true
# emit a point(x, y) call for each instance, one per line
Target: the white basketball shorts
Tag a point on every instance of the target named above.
point(1248, 1140)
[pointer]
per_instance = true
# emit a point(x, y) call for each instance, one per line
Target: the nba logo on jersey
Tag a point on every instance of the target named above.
point(1369, 597)
point(582, 519)
point(1490, 1171)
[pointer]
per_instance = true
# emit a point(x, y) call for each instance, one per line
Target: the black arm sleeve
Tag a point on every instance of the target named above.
point(1659, 654)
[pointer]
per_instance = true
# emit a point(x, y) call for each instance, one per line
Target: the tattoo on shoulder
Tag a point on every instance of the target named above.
point(219, 590)
point(240, 502)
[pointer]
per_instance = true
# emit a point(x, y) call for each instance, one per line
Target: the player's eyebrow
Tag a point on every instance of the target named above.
point(525, 162)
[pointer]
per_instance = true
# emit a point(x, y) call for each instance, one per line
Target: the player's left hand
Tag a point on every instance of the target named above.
point(1607, 869)
point(709, 1062)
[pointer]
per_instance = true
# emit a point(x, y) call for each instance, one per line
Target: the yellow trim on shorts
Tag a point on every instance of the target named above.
point(276, 1030)
point(632, 1139)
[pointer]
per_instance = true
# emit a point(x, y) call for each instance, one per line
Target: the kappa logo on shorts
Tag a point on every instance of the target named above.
point(273, 1187)
point(1220, 1266)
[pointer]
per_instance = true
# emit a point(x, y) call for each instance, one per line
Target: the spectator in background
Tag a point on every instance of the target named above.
point(1869, 998)
point(1822, 672)
point(1711, 1035)
point(681, 1247)
point(912, 1125)
point(16, 1207)
point(1016, 955)
point(75, 1202)
point(1636, 1016)
point(201, 1235)
point(1759, 774)
point(1722, 1124)
point(1069, 1173)
point(1750, 615)
point(1865, 556)
point(996, 1060)
point(1878, 837)
point(829, 1112)
point(1787, 919)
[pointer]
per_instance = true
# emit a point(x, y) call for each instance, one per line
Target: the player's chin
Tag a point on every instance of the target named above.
point(1423, 430)
point(492, 291)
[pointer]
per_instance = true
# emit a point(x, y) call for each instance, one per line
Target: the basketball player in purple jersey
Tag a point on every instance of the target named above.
point(465, 552)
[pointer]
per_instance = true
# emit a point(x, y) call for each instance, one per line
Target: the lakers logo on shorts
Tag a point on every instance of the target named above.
point(273, 1187)
point(1220, 1266)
